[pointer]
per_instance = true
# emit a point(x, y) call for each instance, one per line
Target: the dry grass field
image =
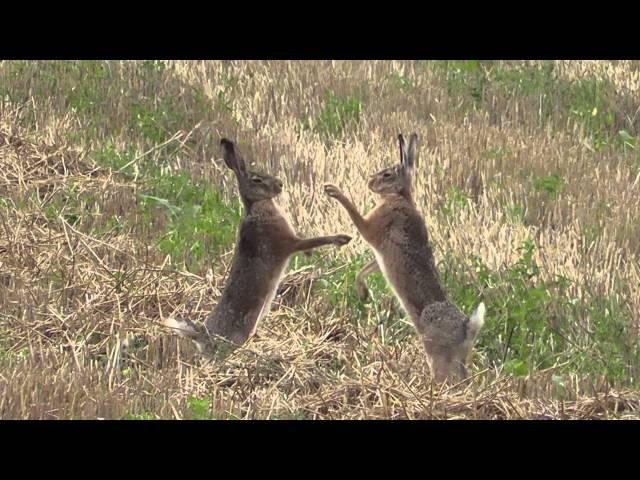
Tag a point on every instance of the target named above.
point(116, 211)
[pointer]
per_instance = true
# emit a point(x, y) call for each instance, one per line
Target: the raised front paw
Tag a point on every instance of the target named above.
point(341, 240)
point(332, 190)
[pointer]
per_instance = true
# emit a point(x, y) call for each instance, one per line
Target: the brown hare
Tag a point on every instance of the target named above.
point(264, 244)
point(398, 237)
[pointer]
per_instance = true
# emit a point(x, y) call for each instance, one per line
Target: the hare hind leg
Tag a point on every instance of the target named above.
point(444, 366)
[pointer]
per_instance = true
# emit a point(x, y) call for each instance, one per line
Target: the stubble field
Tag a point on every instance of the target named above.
point(116, 211)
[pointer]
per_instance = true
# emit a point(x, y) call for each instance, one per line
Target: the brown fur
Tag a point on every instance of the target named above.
point(265, 242)
point(398, 236)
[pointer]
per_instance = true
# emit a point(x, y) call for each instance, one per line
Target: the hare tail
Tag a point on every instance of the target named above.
point(476, 320)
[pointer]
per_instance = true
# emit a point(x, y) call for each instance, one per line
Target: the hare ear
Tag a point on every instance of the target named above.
point(231, 157)
point(403, 150)
point(410, 155)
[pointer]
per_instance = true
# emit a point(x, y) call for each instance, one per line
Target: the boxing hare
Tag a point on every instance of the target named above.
point(398, 237)
point(264, 244)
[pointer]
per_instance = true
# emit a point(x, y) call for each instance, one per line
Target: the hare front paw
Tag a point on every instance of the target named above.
point(332, 190)
point(341, 240)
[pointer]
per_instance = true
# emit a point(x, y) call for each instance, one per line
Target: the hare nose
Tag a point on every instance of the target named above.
point(279, 183)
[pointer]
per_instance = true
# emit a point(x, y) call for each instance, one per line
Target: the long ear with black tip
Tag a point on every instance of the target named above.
point(231, 156)
point(411, 151)
point(403, 152)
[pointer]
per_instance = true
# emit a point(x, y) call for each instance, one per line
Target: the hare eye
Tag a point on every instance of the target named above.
point(386, 175)
point(257, 180)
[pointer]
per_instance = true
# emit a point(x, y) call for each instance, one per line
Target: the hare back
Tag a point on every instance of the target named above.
point(405, 257)
point(246, 298)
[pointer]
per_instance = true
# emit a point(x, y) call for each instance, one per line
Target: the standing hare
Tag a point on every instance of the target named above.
point(398, 236)
point(264, 244)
